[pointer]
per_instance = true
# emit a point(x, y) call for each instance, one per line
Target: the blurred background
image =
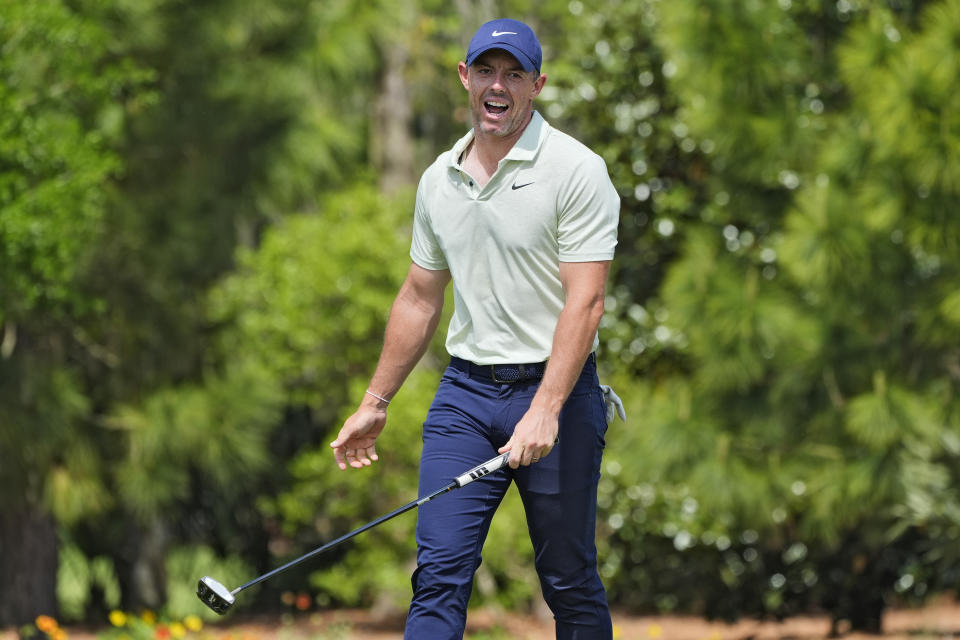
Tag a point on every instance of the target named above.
point(205, 210)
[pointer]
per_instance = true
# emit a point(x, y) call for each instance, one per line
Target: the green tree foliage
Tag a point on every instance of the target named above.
point(260, 113)
point(59, 88)
point(811, 403)
point(253, 118)
point(310, 303)
point(117, 410)
point(56, 97)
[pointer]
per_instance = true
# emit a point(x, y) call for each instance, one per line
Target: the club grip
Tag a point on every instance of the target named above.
point(481, 470)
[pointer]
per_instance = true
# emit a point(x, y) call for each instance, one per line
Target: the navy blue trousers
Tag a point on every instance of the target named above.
point(470, 418)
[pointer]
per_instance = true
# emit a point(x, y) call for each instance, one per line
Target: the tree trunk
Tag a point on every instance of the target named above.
point(474, 13)
point(28, 565)
point(141, 567)
point(391, 141)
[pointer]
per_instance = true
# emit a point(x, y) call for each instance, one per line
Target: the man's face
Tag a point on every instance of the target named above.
point(501, 92)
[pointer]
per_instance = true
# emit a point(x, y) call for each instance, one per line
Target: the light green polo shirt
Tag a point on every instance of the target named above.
point(549, 201)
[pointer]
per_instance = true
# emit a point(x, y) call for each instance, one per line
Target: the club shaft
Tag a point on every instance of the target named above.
point(333, 543)
point(476, 473)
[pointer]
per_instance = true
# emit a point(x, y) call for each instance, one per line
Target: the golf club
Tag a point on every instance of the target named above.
point(220, 599)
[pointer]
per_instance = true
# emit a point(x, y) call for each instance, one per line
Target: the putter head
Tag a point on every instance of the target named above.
point(214, 595)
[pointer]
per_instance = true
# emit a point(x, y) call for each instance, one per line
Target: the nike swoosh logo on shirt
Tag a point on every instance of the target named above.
point(520, 186)
point(503, 33)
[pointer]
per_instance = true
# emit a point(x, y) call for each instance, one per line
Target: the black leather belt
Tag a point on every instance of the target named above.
point(500, 373)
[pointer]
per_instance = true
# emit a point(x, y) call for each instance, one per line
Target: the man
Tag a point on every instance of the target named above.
point(523, 219)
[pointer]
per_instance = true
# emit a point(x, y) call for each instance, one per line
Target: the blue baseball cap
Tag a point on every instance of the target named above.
point(512, 36)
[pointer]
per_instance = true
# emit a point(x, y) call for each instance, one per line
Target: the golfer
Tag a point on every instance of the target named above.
point(523, 219)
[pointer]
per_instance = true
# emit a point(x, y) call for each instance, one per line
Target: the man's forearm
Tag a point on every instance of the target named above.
point(572, 343)
point(576, 329)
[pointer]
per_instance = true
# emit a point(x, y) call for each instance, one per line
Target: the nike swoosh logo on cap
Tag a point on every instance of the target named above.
point(503, 33)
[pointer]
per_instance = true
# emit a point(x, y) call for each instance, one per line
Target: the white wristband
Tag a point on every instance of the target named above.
point(380, 398)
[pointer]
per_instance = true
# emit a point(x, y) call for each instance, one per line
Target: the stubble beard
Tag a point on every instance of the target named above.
point(503, 128)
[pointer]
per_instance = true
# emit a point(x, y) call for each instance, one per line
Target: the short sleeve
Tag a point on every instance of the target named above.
point(424, 248)
point(589, 213)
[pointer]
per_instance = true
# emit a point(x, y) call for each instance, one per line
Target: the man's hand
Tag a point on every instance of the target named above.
point(355, 442)
point(533, 437)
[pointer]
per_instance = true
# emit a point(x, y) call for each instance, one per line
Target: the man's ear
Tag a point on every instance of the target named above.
point(538, 85)
point(464, 74)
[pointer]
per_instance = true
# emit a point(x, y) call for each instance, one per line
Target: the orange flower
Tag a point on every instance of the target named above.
point(46, 624)
point(303, 602)
point(58, 634)
point(162, 632)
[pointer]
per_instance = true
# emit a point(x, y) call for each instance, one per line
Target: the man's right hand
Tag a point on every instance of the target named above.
point(355, 442)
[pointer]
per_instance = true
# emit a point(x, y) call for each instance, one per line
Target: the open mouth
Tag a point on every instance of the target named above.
point(495, 107)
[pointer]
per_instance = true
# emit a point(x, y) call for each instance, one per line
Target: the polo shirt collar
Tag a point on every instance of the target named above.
point(524, 149)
